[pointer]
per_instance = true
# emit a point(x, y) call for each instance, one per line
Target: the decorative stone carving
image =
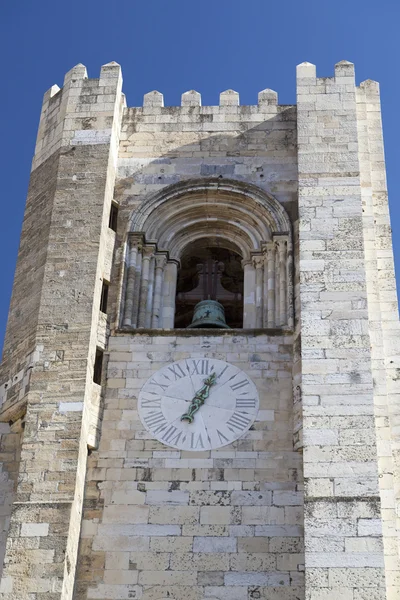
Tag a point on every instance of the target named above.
point(230, 215)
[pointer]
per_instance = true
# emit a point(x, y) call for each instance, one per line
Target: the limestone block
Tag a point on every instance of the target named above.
point(126, 514)
point(257, 515)
point(253, 562)
point(205, 530)
point(210, 578)
point(113, 592)
point(251, 498)
point(356, 577)
point(191, 98)
point(200, 562)
point(218, 515)
point(246, 578)
point(168, 578)
point(214, 544)
point(142, 561)
point(167, 498)
point(119, 577)
point(229, 98)
point(34, 529)
point(211, 498)
point(306, 70)
point(342, 559)
point(267, 98)
point(171, 544)
point(153, 99)
point(117, 560)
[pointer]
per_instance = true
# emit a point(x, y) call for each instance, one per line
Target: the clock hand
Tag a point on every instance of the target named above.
point(199, 398)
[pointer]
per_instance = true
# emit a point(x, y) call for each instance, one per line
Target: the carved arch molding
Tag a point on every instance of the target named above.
point(229, 214)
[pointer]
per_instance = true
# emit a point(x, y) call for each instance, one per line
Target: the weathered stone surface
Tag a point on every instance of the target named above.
point(300, 192)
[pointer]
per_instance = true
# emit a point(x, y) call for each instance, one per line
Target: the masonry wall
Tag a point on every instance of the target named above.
point(344, 554)
point(226, 525)
point(383, 317)
point(161, 146)
point(71, 258)
point(159, 522)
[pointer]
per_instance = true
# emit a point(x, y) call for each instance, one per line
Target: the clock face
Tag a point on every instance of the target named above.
point(198, 404)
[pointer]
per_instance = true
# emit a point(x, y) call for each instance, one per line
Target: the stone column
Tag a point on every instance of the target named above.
point(282, 248)
point(130, 283)
point(277, 287)
point(265, 288)
point(160, 262)
point(289, 275)
point(258, 263)
point(144, 286)
point(169, 293)
point(271, 283)
point(136, 291)
point(249, 312)
point(150, 294)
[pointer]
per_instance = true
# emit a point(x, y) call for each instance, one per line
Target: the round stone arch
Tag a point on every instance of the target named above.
point(221, 204)
point(223, 210)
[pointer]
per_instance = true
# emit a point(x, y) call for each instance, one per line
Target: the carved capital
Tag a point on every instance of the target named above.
point(246, 262)
point(148, 252)
point(258, 261)
point(269, 248)
point(135, 240)
point(281, 243)
point(135, 244)
point(161, 261)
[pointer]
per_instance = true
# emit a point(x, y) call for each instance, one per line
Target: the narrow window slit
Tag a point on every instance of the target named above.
point(104, 297)
point(98, 366)
point(113, 217)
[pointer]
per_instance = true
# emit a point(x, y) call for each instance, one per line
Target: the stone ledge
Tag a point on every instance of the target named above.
point(201, 332)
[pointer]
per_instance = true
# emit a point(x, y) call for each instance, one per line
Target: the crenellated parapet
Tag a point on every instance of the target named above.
point(229, 98)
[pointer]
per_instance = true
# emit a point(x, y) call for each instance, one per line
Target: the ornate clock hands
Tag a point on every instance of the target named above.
point(199, 398)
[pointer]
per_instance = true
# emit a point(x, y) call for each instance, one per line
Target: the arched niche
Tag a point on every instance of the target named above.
point(227, 214)
point(212, 269)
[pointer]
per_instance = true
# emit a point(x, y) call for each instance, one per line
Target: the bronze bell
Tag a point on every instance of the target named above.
point(209, 313)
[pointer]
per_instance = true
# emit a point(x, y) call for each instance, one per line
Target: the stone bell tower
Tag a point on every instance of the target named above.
point(155, 449)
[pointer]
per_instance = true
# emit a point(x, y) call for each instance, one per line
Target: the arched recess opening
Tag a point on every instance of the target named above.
point(208, 220)
point(210, 271)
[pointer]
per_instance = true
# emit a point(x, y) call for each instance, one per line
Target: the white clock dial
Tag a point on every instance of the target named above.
point(198, 404)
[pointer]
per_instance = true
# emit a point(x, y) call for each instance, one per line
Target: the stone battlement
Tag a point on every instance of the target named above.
point(229, 100)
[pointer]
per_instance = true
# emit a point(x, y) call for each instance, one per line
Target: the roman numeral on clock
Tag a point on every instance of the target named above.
point(196, 441)
point(201, 367)
point(172, 435)
point(238, 422)
point(177, 371)
point(161, 385)
point(222, 438)
point(246, 402)
point(239, 384)
point(155, 421)
point(151, 403)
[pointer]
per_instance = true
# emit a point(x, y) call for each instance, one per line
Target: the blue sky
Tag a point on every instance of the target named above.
point(174, 46)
